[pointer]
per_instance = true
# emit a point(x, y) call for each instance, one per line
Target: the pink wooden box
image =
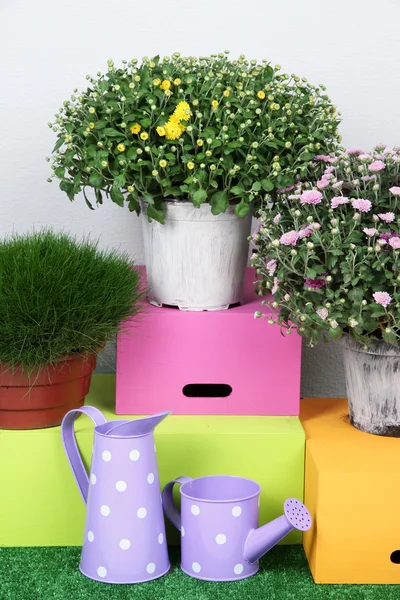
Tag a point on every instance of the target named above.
point(212, 363)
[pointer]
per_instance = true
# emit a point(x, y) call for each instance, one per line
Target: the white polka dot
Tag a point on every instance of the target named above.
point(134, 454)
point(183, 531)
point(121, 486)
point(195, 509)
point(220, 539)
point(93, 479)
point(90, 536)
point(106, 456)
point(101, 571)
point(236, 511)
point(151, 567)
point(238, 569)
point(141, 513)
point(105, 510)
point(196, 567)
point(150, 478)
point(160, 538)
point(124, 544)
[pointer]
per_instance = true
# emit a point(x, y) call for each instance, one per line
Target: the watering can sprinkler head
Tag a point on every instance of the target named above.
point(261, 540)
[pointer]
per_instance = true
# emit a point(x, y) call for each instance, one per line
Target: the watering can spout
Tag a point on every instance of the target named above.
point(261, 540)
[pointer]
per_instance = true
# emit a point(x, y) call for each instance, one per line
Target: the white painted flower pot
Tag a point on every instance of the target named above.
point(373, 386)
point(196, 260)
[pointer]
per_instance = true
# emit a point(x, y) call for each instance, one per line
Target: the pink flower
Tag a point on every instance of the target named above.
point(314, 226)
point(277, 218)
point(387, 217)
point(376, 166)
point(338, 184)
point(323, 158)
point(364, 156)
point(368, 178)
point(369, 231)
point(375, 218)
point(382, 298)
point(395, 243)
point(327, 175)
point(314, 284)
point(322, 313)
point(271, 267)
point(328, 171)
point(311, 197)
point(275, 286)
point(290, 238)
point(395, 190)
point(351, 151)
point(322, 184)
point(338, 200)
point(305, 232)
point(362, 205)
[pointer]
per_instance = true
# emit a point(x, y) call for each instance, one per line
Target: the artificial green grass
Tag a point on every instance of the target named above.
point(60, 296)
point(52, 574)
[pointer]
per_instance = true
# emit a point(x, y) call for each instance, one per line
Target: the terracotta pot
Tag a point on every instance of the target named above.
point(44, 397)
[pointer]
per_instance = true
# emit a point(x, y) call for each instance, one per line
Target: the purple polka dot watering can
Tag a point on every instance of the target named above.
point(124, 539)
point(220, 537)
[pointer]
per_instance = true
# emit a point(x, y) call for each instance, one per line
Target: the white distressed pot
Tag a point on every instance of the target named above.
point(373, 386)
point(196, 260)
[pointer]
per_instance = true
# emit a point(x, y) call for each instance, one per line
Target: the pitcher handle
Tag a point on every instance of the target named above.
point(71, 447)
point(171, 512)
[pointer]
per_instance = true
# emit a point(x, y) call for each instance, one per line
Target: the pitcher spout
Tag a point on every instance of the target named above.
point(261, 540)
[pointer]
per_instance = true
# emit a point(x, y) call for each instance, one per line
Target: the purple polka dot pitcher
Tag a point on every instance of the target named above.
point(220, 537)
point(124, 539)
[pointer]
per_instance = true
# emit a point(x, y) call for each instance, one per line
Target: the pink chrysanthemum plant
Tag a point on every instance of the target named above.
point(328, 250)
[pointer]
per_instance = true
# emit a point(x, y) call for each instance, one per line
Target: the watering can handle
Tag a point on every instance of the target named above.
point(71, 447)
point(170, 509)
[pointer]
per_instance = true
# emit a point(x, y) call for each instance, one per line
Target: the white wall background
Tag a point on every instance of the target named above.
point(48, 46)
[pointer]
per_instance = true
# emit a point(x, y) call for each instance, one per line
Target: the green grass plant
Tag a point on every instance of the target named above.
point(61, 296)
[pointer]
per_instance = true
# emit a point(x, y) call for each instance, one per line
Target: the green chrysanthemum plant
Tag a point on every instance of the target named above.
point(329, 250)
point(205, 129)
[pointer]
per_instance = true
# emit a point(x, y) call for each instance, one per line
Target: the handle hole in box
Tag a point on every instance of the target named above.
point(207, 390)
point(395, 557)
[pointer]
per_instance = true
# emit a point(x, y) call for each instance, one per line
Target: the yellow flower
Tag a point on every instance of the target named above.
point(261, 95)
point(163, 163)
point(182, 112)
point(177, 81)
point(135, 128)
point(160, 130)
point(144, 136)
point(226, 93)
point(190, 166)
point(92, 110)
point(91, 125)
point(195, 102)
point(214, 104)
point(173, 130)
point(137, 78)
point(168, 93)
point(165, 85)
point(156, 82)
point(121, 147)
point(200, 142)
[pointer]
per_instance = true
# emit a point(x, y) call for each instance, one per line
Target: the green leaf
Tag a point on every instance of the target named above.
point(199, 197)
point(267, 185)
point(113, 132)
point(96, 179)
point(242, 209)
point(148, 198)
point(119, 180)
point(89, 205)
point(213, 183)
point(68, 188)
point(60, 172)
point(219, 202)
point(133, 204)
point(116, 195)
point(311, 273)
point(336, 333)
point(237, 190)
point(356, 294)
point(256, 187)
point(153, 213)
point(58, 144)
point(145, 123)
point(390, 338)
